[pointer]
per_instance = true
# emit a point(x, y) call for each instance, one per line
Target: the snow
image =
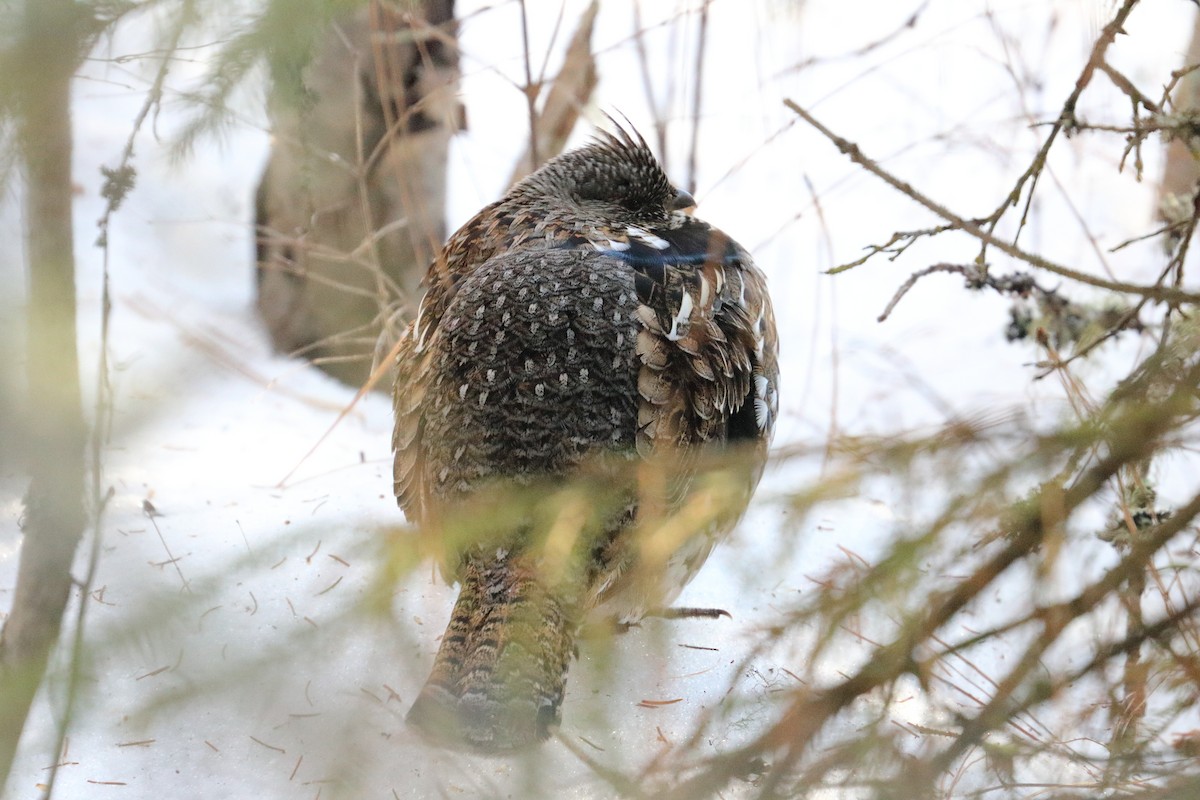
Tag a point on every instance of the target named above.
point(262, 633)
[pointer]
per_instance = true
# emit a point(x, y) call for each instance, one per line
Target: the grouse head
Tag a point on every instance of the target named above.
point(614, 178)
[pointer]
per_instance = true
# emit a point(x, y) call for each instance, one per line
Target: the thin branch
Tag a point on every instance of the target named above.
point(856, 155)
point(1126, 86)
point(1066, 118)
point(697, 97)
point(656, 108)
point(965, 271)
point(531, 89)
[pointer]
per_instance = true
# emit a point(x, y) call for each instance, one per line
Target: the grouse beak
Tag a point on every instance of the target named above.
point(682, 200)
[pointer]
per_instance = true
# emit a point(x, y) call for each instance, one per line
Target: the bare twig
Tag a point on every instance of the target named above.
point(566, 98)
point(697, 96)
point(965, 271)
point(531, 89)
point(1161, 293)
point(1126, 86)
point(1066, 119)
point(657, 108)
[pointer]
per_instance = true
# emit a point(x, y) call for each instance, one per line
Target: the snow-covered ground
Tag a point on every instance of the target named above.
point(249, 639)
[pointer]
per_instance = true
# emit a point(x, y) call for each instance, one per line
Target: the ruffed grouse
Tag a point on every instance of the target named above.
point(578, 375)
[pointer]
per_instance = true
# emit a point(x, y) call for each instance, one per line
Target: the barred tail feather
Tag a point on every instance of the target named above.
point(498, 678)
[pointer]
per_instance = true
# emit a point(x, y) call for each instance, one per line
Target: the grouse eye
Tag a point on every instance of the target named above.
point(618, 192)
point(594, 188)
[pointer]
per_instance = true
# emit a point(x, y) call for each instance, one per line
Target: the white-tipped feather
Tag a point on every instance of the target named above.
point(762, 413)
point(658, 243)
point(685, 313)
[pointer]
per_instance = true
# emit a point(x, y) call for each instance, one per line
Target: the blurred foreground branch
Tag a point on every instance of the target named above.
point(841, 735)
point(49, 47)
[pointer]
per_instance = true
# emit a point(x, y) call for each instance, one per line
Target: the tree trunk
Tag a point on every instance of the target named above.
point(47, 53)
point(351, 207)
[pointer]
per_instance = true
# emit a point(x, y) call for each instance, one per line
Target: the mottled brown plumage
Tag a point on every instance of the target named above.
point(582, 347)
